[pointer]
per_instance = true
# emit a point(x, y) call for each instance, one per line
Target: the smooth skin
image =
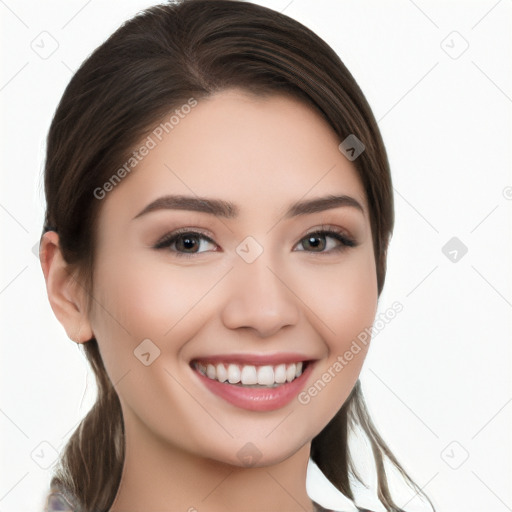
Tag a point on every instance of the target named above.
point(262, 154)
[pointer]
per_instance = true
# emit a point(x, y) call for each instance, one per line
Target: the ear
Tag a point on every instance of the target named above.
point(66, 295)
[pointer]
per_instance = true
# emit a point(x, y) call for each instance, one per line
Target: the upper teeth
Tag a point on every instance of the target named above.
point(249, 375)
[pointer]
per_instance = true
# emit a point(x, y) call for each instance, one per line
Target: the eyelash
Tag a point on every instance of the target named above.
point(169, 239)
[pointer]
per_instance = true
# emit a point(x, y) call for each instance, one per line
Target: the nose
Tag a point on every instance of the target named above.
point(260, 299)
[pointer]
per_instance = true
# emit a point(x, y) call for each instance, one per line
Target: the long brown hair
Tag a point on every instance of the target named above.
point(150, 66)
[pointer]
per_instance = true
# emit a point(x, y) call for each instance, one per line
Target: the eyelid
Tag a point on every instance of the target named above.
point(329, 227)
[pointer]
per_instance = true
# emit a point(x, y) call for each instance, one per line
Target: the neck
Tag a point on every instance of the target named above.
point(159, 476)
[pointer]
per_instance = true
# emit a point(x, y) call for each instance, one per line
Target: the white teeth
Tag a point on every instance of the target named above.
point(233, 374)
point(280, 373)
point(211, 371)
point(290, 372)
point(265, 376)
point(222, 374)
point(250, 375)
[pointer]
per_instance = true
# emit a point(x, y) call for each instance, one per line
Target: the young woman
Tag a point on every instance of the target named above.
point(219, 205)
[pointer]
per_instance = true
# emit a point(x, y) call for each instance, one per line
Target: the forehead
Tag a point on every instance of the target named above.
point(242, 148)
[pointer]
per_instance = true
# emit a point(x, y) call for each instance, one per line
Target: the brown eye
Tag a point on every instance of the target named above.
point(317, 241)
point(185, 243)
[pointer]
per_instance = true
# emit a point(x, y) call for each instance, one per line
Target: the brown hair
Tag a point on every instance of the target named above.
point(152, 64)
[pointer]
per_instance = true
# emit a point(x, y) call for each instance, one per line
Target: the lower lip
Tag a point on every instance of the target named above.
point(257, 399)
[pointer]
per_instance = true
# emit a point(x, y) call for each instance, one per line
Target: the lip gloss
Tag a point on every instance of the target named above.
point(257, 399)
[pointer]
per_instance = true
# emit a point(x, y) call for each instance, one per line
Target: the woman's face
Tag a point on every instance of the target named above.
point(244, 290)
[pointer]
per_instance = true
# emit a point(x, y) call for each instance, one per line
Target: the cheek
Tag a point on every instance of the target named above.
point(343, 296)
point(344, 300)
point(137, 300)
point(146, 299)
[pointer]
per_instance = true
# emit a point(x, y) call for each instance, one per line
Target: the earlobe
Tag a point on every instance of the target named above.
point(66, 295)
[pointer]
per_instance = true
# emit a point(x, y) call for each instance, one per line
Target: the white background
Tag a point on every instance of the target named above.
point(437, 378)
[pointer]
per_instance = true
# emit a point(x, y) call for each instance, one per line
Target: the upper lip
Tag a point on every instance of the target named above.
point(254, 359)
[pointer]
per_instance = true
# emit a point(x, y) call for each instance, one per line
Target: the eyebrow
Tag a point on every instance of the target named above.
point(225, 209)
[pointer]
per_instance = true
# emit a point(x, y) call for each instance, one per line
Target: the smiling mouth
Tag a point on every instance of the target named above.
point(251, 376)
